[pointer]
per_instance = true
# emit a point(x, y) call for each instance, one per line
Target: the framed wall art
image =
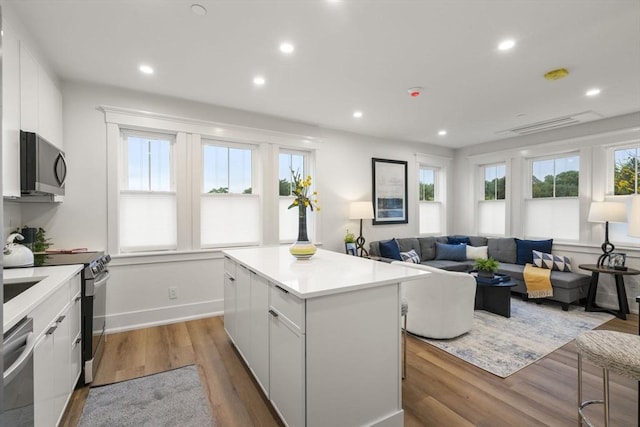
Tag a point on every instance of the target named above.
point(389, 191)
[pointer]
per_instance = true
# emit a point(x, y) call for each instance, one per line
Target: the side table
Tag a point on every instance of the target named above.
point(623, 304)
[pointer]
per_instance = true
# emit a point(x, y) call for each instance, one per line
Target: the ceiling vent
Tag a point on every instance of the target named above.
point(555, 123)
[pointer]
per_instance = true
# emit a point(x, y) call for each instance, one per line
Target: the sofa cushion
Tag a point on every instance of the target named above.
point(478, 241)
point(410, 256)
point(444, 264)
point(525, 248)
point(457, 240)
point(451, 252)
point(478, 252)
point(502, 249)
point(390, 249)
point(409, 243)
point(427, 248)
point(551, 262)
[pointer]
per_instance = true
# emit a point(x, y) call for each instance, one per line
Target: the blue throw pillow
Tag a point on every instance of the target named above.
point(458, 240)
point(390, 249)
point(451, 252)
point(525, 248)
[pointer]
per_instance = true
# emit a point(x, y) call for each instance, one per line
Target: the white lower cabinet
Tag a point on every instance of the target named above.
point(259, 352)
point(56, 357)
point(286, 370)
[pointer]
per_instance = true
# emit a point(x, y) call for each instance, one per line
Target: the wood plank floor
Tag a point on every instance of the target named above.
point(440, 389)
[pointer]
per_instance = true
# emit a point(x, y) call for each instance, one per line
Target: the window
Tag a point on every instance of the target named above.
point(297, 161)
point(554, 208)
point(626, 171)
point(492, 206)
point(430, 207)
point(147, 198)
point(227, 197)
point(555, 177)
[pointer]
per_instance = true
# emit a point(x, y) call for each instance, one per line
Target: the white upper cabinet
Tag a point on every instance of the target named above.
point(40, 100)
point(10, 114)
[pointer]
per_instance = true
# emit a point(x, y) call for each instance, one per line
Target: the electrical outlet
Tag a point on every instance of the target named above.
point(173, 292)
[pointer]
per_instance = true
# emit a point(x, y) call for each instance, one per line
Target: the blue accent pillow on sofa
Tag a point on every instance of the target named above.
point(451, 252)
point(390, 249)
point(525, 248)
point(458, 240)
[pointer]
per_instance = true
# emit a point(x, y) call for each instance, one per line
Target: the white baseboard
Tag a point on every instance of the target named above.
point(121, 322)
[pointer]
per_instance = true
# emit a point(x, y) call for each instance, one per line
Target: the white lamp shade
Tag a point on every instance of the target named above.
point(607, 211)
point(634, 217)
point(361, 210)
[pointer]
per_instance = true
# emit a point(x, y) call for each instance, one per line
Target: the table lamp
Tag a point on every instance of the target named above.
point(607, 212)
point(361, 210)
point(634, 217)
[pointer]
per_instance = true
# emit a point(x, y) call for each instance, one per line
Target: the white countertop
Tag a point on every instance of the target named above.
point(325, 273)
point(51, 278)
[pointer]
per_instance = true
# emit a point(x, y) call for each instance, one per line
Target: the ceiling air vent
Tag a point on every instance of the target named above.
point(557, 122)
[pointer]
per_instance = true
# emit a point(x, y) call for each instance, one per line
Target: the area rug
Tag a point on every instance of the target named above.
point(171, 398)
point(503, 345)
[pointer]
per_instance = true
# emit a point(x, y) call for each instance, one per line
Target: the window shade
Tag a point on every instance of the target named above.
point(229, 219)
point(147, 221)
point(556, 218)
point(430, 217)
point(491, 218)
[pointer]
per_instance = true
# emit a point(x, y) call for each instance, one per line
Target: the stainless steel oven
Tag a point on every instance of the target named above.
point(95, 277)
point(17, 355)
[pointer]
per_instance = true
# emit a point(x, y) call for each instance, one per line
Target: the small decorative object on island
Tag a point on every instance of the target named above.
point(302, 248)
point(486, 267)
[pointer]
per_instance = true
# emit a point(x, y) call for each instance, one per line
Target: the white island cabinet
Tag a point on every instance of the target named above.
point(321, 336)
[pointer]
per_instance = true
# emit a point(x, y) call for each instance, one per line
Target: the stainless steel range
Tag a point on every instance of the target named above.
point(94, 276)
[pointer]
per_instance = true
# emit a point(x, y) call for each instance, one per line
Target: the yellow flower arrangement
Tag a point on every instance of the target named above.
point(301, 192)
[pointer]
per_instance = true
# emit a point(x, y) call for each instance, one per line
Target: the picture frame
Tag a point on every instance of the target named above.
point(350, 249)
point(389, 191)
point(617, 260)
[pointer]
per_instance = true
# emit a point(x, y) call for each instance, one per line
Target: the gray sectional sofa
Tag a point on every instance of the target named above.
point(568, 287)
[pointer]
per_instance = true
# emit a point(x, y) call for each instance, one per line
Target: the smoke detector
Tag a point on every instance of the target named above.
point(558, 74)
point(415, 92)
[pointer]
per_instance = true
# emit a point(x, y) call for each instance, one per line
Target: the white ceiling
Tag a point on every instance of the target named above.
point(359, 55)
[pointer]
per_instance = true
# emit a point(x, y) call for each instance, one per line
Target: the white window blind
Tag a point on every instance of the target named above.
point(430, 217)
point(491, 217)
point(556, 218)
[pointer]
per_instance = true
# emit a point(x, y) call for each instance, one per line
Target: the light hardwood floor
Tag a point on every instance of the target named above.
point(440, 390)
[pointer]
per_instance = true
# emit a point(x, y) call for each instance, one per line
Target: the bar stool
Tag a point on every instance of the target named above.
point(613, 352)
point(404, 309)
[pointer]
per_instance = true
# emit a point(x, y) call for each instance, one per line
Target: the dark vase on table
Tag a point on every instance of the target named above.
point(302, 248)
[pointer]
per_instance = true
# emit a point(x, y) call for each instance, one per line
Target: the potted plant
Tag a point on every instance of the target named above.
point(486, 267)
point(350, 243)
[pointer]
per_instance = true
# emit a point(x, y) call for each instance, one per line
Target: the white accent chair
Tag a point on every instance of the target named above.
point(441, 303)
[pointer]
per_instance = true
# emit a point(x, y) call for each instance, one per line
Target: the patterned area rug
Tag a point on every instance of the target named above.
point(503, 346)
point(171, 398)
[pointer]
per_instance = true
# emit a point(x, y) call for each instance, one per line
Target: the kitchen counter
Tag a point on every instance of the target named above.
point(50, 279)
point(325, 273)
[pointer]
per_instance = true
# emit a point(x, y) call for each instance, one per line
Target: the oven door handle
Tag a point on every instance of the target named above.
point(12, 371)
point(92, 286)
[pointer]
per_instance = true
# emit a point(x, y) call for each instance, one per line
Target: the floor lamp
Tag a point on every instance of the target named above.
point(607, 212)
point(361, 210)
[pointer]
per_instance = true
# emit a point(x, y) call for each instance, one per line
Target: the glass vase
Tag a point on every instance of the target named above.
point(302, 248)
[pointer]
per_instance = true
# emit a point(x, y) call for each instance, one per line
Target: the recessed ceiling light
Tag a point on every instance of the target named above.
point(198, 9)
point(145, 69)
point(442, 132)
point(286, 47)
point(593, 92)
point(357, 114)
point(506, 44)
point(258, 80)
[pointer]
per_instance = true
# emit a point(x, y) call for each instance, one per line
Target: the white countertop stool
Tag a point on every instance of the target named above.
point(404, 309)
point(612, 351)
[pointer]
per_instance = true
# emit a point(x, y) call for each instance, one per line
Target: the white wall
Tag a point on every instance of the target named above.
point(138, 291)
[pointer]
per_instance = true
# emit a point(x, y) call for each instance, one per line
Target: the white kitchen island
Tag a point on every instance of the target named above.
point(321, 336)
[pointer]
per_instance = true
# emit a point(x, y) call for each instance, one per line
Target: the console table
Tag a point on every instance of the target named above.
point(321, 336)
point(623, 304)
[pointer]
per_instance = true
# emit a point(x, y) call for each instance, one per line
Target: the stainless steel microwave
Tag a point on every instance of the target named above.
point(43, 168)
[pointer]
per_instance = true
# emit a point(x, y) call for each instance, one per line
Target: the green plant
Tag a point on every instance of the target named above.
point(41, 242)
point(349, 237)
point(486, 264)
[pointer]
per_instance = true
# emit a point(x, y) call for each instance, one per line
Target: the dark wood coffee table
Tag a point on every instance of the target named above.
point(494, 295)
